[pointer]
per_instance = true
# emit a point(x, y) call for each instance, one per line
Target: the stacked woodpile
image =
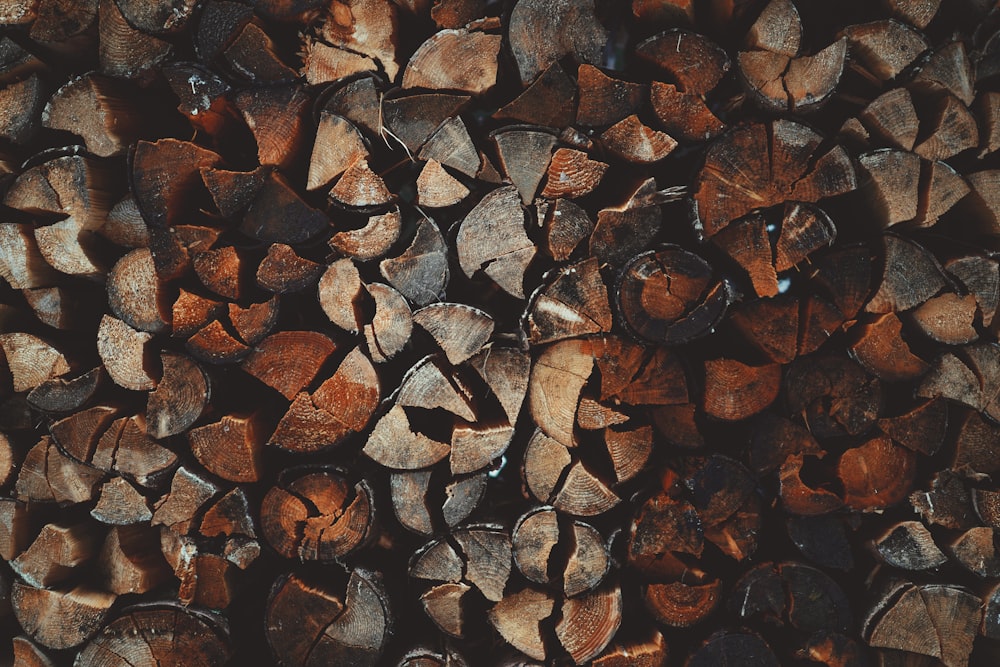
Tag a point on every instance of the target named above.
point(465, 332)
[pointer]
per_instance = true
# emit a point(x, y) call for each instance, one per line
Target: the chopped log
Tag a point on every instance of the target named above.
point(572, 174)
point(338, 144)
point(178, 509)
point(884, 48)
point(935, 620)
point(394, 444)
point(451, 145)
point(894, 184)
point(360, 187)
point(126, 448)
point(589, 623)
point(947, 69)
point(341, 293)
point(832, 395)
point(605, 100)
point(455, 59)
point(778, 28)
point(574, 304)
point(731, 184)
point(124, 51)
point(180, 397)
point(84, 106)
point(635, 142)
point(60, 619)
point(917, 13)
point(460, 331)
point(161, 632)
point(952, 130)
point(371, 241)
point(881, 349)
point(550, 100)
point(892, 118)
point(213, 344)
point(255, 322)
point(565, 225)
point(368, 27)
point(976, 552)
point(948, 318)
point(54, 554)
point(525, 155)
point(696, 68)
point(125, 354)
point(391, 325)
point(909, 546)
point(31, 361)
point(21, 262)
point(682, 605)
point(735, 391)
point(911, 276)
point(288, 361)
point(322, 63)
point(56, 23)
point(411, 120)
point(420, 273)
point(436, 188)
point(922, 429)
point(165, 174)
point(131, 561)
point(317, 516)
point(694, 302)
point(770, 325)
point(542, 33)
point(23, 105)
point(348, 631)
point(121, 504)
point(492, 239)
point(947, 503)
point(28, 654)
point(651, 650)
point(970, 381)
point(684, 116)
point(519, 617)
point(778, 81)
point(280, 138)
point(15, 529)
point(229, 448)
point(623, 231)
point(876, 475)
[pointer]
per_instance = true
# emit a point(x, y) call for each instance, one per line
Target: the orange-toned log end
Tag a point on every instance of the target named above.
point(572, 174)
point(316, 517)
point(357, 379)
point(669, 297)
point(229, 448)
point(735, 391)
point(682, 605)
point(797, 496)
point(649, 651)
point(881, 349)
point(876, 475)
point(289, 360)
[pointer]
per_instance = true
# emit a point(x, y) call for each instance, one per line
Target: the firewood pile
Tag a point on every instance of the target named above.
point(449, 333)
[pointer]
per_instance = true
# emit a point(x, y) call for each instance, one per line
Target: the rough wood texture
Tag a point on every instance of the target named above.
point(539, 332)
